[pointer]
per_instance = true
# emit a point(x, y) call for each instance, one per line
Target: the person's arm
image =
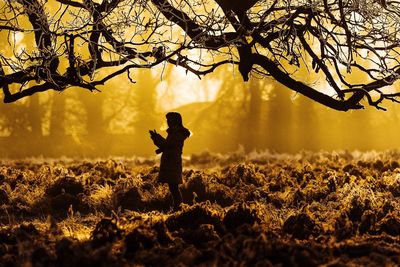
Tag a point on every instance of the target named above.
point(163, 144)
point(158, 140)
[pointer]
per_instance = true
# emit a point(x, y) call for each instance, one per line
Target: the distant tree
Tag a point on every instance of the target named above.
point(252, 124)
point(57, 116)
point(226, 118)
point(280, 119)
point(35, 116)
point(270, 38)
point(22, 119)
point(12, 125)
point(94, 119)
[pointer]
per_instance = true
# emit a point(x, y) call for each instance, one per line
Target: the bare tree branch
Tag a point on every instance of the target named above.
point(352, 47)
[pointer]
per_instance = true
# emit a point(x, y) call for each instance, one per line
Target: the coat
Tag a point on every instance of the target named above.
point(171, 158)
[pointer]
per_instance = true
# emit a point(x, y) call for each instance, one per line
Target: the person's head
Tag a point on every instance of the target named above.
point(174, 119)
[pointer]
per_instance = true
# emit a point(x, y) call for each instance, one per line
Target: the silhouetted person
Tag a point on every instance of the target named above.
point(171, 158)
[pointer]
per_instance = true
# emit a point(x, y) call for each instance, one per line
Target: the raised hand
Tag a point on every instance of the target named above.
point(153, 133)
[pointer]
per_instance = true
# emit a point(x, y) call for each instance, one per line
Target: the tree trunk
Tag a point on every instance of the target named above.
point(280, 119)
point(57, 117)
point(35, 116)
point(252, 121)
point(93, 104)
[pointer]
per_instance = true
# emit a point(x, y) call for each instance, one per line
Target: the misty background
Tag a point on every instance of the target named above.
point(223, 113)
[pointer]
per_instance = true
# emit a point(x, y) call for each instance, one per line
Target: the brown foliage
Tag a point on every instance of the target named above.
point(307, 209)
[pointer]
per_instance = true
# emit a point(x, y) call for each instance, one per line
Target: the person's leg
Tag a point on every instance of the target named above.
point(176, 194)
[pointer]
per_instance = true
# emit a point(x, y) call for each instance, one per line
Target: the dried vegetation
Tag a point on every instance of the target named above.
point(260, 209)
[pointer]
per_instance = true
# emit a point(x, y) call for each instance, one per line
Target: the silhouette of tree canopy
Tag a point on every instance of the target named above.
point(335, 39)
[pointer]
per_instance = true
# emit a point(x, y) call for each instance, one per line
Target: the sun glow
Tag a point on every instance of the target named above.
point(186, 88)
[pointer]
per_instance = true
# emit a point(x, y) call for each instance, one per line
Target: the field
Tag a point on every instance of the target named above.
point(260, 209)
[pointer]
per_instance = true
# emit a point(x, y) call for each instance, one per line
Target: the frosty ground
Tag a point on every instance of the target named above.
point(258, 209)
